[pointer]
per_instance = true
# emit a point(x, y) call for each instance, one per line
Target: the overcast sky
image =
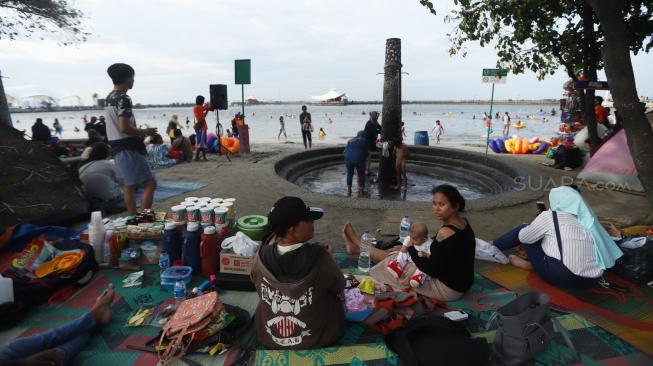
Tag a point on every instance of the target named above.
point(298, 48)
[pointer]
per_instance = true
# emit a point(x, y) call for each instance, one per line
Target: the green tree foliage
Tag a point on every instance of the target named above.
point(27, 18)
point(539, 35)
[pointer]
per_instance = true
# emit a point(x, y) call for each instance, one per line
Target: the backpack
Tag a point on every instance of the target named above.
point(430, 340)
point(192, 316)
point(23, 244)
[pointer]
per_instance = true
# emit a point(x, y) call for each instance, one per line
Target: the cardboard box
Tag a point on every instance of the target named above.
point(235, 264)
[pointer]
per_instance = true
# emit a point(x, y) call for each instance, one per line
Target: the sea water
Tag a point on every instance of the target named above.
point(462, 123)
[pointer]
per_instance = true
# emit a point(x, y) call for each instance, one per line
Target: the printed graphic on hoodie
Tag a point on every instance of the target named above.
point(285, 328)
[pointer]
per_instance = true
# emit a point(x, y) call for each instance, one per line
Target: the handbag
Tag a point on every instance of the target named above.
point(524, 328)
point(192, 316)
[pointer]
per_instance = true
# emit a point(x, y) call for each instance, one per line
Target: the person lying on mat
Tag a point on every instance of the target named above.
point(450, 266)
point(60, 345)
point(299, 284)
point(566, 245)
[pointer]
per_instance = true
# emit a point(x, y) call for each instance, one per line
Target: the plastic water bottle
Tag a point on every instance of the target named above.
point(364, 255)
point(404, 227)
point(180, 292)
point(164, 261)
point(96, 236)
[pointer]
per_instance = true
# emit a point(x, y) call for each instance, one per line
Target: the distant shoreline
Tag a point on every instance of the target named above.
point(354, 102)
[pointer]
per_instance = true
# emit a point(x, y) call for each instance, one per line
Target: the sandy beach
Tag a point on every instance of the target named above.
point(252, 180)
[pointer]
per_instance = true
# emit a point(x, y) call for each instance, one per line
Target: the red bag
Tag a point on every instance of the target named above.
point(192, 316)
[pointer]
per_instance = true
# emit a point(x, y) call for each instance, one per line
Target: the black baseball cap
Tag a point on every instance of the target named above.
point(288, 211)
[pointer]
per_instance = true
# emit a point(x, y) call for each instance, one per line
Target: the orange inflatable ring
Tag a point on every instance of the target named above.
point(230, 144)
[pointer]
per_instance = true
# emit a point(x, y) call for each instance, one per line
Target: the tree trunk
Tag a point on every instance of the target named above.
point(391, 117)
point(621, 79)
point(590, 66)
point(5, 116)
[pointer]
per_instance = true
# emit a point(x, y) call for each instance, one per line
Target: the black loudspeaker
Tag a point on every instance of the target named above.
point(218, 96)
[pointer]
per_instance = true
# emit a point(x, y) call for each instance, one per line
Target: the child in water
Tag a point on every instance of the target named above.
point(401, 153)
point(418, 237)
point(322, 134)
point(439, 130)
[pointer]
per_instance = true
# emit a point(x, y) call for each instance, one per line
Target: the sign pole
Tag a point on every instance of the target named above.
point(487, 138)
point(242, 98)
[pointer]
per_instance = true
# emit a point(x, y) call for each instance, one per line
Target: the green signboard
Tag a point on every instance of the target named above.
point(495, 72)
point(243, 71)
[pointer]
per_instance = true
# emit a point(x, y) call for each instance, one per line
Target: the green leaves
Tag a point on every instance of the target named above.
point(539, 35)
point(26, 18)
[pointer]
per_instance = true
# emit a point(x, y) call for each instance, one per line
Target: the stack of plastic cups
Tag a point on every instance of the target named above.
point(178, 213)
point(230, 204)
point(221, 220)
point(193, 214)
point(206, 216)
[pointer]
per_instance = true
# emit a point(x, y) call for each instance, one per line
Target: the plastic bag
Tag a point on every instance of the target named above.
point(488, 252)
point(241, 244)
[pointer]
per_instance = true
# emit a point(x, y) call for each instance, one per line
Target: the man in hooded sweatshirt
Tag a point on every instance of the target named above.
point(298, 283)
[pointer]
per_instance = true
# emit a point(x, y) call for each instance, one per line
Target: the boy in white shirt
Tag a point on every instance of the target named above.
point(418, 237)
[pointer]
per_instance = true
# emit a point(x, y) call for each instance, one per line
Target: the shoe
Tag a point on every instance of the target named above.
point(394, 269)
point(417, 280)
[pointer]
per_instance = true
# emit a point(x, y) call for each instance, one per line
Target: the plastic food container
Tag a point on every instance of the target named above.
point(253, 226)
point(175, 273)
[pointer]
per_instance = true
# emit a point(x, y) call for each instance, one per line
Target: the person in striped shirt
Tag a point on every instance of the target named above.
point(566, 245)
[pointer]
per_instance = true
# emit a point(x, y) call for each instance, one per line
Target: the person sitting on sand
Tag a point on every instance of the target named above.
point(157, 153)
point(418, 237)
point(59, 345)
point(101, 183)
point(40, 132)
point(183, 145)
point(355, 157)
point(450, 266)
point(321, 133)
point(93, 138)
point(562, 243)
point(299, 284)
point(401, 153)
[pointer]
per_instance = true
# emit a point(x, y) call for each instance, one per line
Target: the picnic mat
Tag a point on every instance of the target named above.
point(360, 346)
point(628, 316)
point(108, 346)
point(168, 188)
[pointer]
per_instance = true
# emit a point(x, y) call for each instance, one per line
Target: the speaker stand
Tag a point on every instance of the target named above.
point(218, 132)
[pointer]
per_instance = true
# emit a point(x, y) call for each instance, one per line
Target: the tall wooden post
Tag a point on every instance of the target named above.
point(391, 117)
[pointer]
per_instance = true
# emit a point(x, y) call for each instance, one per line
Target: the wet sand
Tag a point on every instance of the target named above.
point(251, 179)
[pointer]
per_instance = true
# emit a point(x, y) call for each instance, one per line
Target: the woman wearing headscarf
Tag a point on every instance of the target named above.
point(356, 153)
point(566, 245)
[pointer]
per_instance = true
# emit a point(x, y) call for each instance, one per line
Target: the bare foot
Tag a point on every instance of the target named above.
point(101, 311)
point(350, 247)
point(45, 357)
point(520, 263)
point(349, 192)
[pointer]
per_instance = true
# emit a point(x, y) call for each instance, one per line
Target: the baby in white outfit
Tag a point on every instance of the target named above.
point(418, 238)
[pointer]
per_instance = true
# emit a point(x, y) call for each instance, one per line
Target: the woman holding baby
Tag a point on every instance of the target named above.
point(440, 268)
